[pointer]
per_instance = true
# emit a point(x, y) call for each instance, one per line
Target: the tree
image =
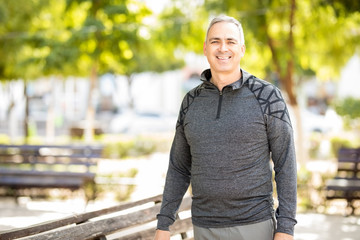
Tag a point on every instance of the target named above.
point(295, 38)
point(16, 38)
point(115, 38)
point(183, 26)
point(84, 38)
point(349, 109)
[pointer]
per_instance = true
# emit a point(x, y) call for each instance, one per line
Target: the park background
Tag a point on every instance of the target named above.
point(114, 73)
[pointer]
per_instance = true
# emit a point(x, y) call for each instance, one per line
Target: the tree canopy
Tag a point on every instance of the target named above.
point(123, 36)
point(286, 40)
point(18, 36)
point(295, 38)
point(71, 37)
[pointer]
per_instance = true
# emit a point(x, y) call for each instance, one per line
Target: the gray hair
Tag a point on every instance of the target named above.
point(224, 18)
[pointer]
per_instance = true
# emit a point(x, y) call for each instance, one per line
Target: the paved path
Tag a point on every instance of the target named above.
point(310, 226)
point(327, 227)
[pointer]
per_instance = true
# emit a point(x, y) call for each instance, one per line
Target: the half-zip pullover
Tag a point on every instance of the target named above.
point(206, 76)
point(219, 105)
point(222, 145)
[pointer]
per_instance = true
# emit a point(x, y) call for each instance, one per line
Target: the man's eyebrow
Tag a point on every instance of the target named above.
point(218, 38)
point(214, 38)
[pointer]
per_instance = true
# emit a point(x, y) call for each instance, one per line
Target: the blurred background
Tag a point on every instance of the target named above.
point(114, 72)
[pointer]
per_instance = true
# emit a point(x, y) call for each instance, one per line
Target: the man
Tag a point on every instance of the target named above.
point(229, 127)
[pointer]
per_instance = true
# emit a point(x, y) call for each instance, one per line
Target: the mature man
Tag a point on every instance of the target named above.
point(228, 129)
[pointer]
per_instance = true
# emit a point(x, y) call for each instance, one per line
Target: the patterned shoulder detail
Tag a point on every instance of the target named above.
point(270, 99)
point(187, 101)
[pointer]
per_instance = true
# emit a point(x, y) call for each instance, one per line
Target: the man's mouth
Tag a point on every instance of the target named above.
point(223, 57)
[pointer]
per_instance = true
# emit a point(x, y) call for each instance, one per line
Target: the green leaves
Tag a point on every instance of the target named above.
point(349, 107)
point(68, 37)
point(326, 33)
point(124, 37)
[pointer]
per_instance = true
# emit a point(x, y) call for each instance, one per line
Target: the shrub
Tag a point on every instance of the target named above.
point(135, 147)
point(338, 142)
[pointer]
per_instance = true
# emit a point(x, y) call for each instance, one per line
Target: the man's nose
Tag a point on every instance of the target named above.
point(223, 47)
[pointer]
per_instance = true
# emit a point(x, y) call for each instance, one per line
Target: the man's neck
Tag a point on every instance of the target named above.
point(220, 80)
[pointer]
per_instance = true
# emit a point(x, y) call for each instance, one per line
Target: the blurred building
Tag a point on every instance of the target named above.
point(57, 105)
point(349, 83)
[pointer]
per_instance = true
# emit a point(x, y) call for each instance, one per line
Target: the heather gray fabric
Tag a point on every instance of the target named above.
point(259, 231)
point(222, 145)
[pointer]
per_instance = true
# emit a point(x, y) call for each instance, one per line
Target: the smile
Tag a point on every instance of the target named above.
point(223, 58)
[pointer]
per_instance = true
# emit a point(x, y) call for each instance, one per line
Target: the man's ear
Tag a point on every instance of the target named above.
point(243, 48)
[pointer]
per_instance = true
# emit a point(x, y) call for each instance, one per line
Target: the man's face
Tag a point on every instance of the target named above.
point(223, 49)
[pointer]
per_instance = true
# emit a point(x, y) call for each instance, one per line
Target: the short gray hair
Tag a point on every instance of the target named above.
point(224, 18)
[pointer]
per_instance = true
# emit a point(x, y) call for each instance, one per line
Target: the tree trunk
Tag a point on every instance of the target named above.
point(131, 99)
point(90, 113)
point(12, 121)
point(50, 118)
point(301, 150)
point(286, 77)
point(11, 118)
point(27, 113)
point(288, 82)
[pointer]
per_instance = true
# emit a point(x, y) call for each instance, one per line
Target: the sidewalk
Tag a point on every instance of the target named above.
point(311, 226)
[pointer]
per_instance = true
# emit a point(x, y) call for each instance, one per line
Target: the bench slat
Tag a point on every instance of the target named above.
point(346, 185)
point(19, 172)
point(103, 227)
point(48, 166)
point(65, 161)
point(178, 227)
point(75, 219)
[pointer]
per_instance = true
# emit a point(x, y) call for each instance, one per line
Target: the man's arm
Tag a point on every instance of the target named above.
point(177, 180)
point(281, 141)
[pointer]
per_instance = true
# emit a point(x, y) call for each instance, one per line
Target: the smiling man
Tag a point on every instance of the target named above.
point(224, 47)
point(229, 129)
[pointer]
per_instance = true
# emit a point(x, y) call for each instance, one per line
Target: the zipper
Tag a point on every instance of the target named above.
point(219, 104)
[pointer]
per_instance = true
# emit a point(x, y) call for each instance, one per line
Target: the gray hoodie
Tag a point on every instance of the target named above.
point(222, 146)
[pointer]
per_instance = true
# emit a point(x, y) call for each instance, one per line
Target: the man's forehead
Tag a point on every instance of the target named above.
point(224, 30)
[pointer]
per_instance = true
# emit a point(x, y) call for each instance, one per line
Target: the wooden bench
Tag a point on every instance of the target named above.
point(134, 220)
point(346, 184)
point(48, 166)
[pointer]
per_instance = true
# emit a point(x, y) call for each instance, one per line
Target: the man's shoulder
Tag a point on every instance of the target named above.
point(191, 94)
point(260, 86)
point(187, 101)
point(269, 97)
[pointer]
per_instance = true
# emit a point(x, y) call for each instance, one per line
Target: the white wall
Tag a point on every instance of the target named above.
point(349, 84)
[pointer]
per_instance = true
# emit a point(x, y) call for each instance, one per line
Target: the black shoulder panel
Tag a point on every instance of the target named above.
point(270, 99)
point(187, 101)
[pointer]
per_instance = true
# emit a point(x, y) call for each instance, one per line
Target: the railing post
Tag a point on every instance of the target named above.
point(183, 234)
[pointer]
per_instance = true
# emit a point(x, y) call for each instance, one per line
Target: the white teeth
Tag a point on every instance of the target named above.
point(223, 58)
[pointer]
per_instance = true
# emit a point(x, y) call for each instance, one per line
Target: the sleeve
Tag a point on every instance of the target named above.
point(281, 141)
point(177, 179)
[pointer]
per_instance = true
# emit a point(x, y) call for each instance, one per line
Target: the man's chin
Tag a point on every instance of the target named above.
point(222, 69)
